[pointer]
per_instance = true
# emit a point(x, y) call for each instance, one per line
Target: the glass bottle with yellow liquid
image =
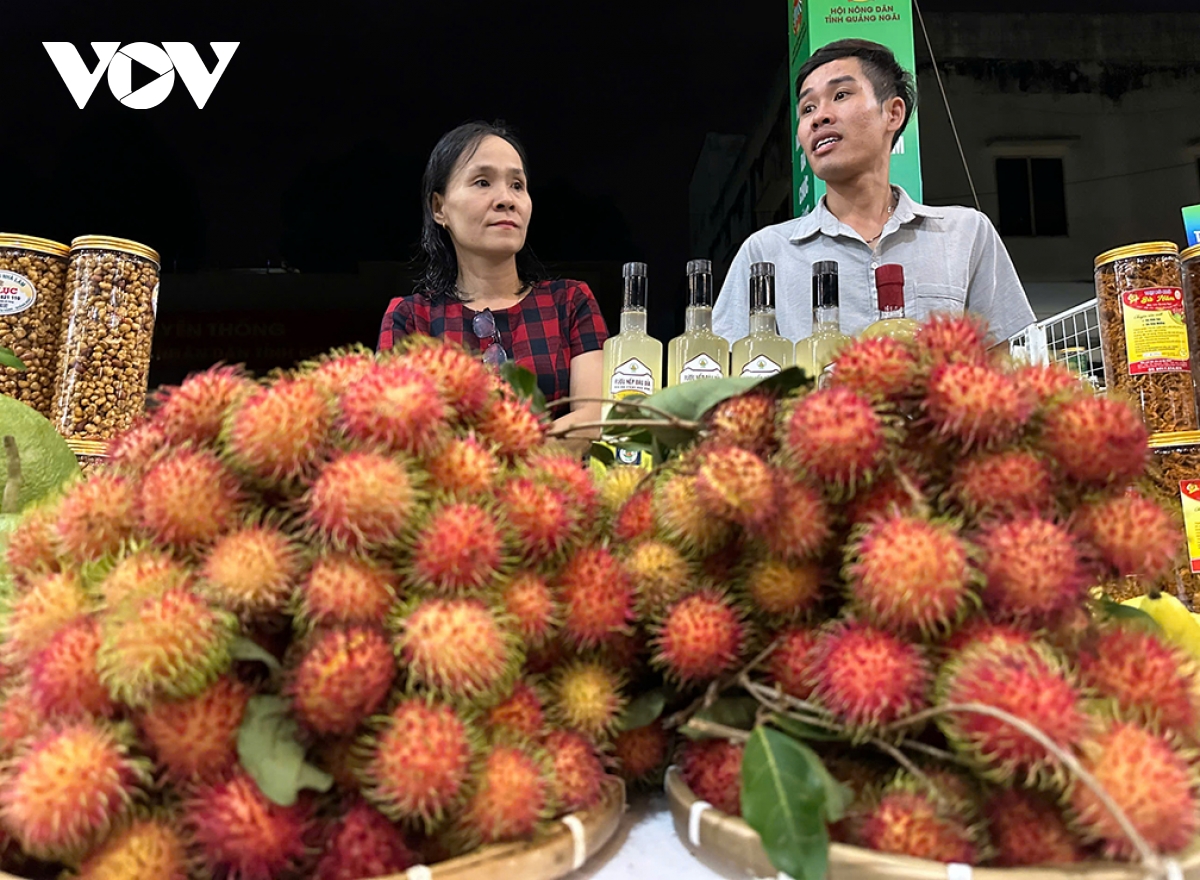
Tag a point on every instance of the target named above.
point(632, 358)
point(889, 292)
point(698, 353)
point(764, 352)
point(816, 352)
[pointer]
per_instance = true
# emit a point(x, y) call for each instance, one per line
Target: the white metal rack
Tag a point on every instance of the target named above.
point(1070, 338)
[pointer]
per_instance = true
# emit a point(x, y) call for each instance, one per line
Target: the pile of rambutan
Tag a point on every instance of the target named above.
point(910, 560)
point(389, 547)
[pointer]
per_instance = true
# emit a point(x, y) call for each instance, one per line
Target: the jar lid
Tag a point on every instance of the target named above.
point(1146, 249)
point(105, 243)
point(32, 243)
point(1193, 251)
point(88, 447)
point(1176, 438)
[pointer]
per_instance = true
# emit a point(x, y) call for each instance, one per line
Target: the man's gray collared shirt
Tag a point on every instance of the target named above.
point(953, 260)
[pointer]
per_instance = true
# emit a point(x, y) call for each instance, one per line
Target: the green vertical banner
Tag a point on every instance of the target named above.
point(813, 24)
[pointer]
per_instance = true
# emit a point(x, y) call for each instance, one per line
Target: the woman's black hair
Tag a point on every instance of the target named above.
point(439, 262)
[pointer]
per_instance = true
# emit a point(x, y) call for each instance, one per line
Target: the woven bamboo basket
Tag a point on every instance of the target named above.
point(564, 848)
point(729, 846)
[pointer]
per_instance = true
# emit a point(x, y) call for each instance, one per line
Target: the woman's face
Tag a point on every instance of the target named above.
point(486, 206)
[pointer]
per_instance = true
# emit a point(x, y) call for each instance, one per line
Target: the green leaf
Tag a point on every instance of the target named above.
point(269, 750)
point(785, 381)
point(247, 649)
point(644, 710)
point(739, 712)
point(524, 382)
point(802, 730)
point(784, 800)
point(602, 453)
point(1128, 614)
point(8, 359)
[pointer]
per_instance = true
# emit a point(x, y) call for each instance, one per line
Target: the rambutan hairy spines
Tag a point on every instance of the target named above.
point(735, 484)
point(952, 338)
point(196, 738)
point(63, 678)
point(701, 637)
point(194, 411)
point(240, 833)
point(421, 761)
point(96, 517)
point(975, 405)
point(597, 597)
point(458, 550)
point(783, 590)
point(910, 820)
point(463, 466)
point(1003, 483)
point(459, 376)
point(559, 467)
point(618, 485)
point(396, 408)
point(878, 368)
point(51, 602)
point(544, 521)
point(252, 571)
point(134, 448)
point(587, 696)
point(801, 527)
point(1096, 441)
point(868, 677)
point(338, 370)
point(578, 775)
point(712, 769)
point(282, 431)
point(68, 787)
point(789, 664)
point(346, 588)
point(660, 574)
point(362, 842)
point(1027, 828)
point(361, 499)
point(641, 753)
point(1149, 778)
point(678, 517)
point(1044, 385)
point(189, 498)
point(144, 572)
point(511, 426)
point(149, 846)
point(746, 421)
point(1032, 568)
point(342, 677)
point(512, 795)
point(836, 436)
point(1131, 534)
point(635, 519)
point(33, 545)
point(521, 715)
point(531, 606)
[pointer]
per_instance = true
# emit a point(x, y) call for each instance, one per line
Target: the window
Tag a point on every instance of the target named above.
point(1033, 198)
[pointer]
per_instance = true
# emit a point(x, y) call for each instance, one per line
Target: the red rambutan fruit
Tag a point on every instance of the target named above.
point(617, 486)
point(170, 645)
point(1046, 384)
point(800, 527)
point(96, 516)
point(836, 436)
point(1096, 440)
point(252, 571)
point(459, 376)
point(147, 847)
point(909, 574)
point(458, 550)
point(361, 499)
point(980, 630)
point(1026, 828)
point(458, 647)
point(395, 408)
point(680, 519)
point(975, 404)
point(463, 466)
point(240, 833)
point(196, 738)
point(1032, 569)
point(32, 548)
point(894, 494)
point(701, 637)
point(635, 519)
point(362, 842)
point(280, 432)
point(642, 752)
point(789, 665)
point(194, 411)
point(555, 466)
point(511, 796)
point(344, 588)
point(746, 421)
point(133, 449)
point(596, 595)
point(63, 678)
point(587, 696)
point(1147, 677)
point(1029, 683)
point(143, 573)
point(420, 762)
point(1003, 484)
point(868, 677)
point(735, 484)
point(19, 719)
point(712, 769)
point(342, 677)
point(67, 788)
point(336, 372)
point(578, 776)
point(543, 520)
point(908, 820)
point(188, 497)
point(531, 606)
point(877, 368)
point(783, 589)
point(511, 426)
point(1149, 779)
point(954, 339)
point(520, 714)
point(51, 602)
point(660, 574)
point(1133, 534)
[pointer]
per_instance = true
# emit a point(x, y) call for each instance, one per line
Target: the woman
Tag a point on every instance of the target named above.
point(481, 285)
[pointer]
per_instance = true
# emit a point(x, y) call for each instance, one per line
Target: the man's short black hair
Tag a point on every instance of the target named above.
point(888, 79)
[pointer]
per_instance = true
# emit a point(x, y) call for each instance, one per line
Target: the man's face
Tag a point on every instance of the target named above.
point(843, 128)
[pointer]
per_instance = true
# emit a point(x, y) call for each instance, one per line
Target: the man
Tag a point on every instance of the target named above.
point(854, 101)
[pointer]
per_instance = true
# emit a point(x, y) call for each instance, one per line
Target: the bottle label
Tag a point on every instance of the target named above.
point(1155, 331)
point(1189, 495)
point(702, 366)
point(17, 293)
point(631, 378)
point(761, 367)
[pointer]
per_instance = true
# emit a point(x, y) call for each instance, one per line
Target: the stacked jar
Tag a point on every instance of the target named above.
point(1144, 333)
point(33, 278)
point(108, 325)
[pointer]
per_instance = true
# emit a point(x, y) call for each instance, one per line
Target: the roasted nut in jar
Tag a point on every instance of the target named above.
point(1174, 481)
point(1143, 330)
point(108, 325)
point(33, 277)
point(1190, 269)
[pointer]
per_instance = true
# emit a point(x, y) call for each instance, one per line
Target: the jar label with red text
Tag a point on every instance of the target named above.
point(1155, 331)
point(1189, 495)
point(17, 293)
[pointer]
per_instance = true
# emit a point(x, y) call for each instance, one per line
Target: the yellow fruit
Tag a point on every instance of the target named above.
point(1179, 625)
point(46, 460)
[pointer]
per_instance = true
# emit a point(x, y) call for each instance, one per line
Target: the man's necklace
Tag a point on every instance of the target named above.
point(891, 208)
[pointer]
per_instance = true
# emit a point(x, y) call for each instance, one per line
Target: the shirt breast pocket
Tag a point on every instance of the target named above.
point(929, 299)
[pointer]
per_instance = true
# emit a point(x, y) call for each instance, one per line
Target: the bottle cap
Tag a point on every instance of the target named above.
point(699, 267)
point(760, 270)
point(633, 269)
point(825, 267)
point(889, 286)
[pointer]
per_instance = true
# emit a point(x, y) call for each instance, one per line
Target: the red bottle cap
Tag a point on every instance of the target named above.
point(889, 286)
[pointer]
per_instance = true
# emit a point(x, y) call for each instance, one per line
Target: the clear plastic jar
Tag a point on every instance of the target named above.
point(1174, 480)
point(1144, 333)
point(33, 279)
point(1189, 265)
point(108, 325)
point(92, 455)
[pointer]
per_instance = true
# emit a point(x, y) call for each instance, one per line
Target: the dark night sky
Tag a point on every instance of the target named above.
point(312, 144)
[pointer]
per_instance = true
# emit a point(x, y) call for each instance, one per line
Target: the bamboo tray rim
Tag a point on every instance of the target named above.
point(565, 847)
point(734, 843)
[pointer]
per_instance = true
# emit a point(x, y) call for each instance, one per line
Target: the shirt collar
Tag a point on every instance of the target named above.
point(821, 220)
